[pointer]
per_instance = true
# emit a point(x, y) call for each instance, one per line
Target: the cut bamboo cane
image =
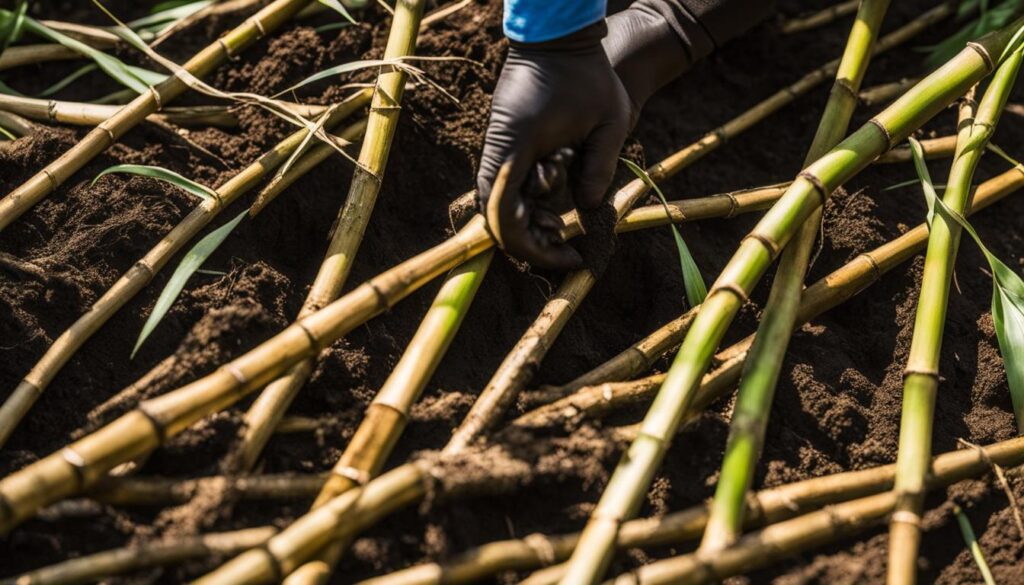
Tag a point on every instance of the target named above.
point(820, 18)
point(105, 134)
point(764, 507)
point(764, 365)
point(95, 567)
point(141, 273)
point(832, 290)
point(628, 484)
point(156, 420)
point(88, 114)
point(15, 124)
point(354, 216)
point(921, 377)
point(885, 93)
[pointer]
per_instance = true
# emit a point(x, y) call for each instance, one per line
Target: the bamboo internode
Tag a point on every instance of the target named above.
point(106, 133)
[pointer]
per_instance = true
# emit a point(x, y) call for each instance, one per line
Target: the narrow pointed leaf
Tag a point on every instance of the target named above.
point(202, 191)
point(339, 8)
point(693, 282)
point(189, 265)
point(68, 80)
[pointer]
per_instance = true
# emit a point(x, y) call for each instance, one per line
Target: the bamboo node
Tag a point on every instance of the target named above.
point(383, 403)
point(845, 85)
point(721, 134)
point(542, 546)
point(237, 374)
point(76, 462)
point(156, 97)
point(275, 564)
point(49, 175)
point(361, 477)
point(906, 517)
point(885, 131)
point(819, 186)
point(109, 132)
point(256, 22)
point(765, 241)
point(314, 343)
point(875, 268)
point(733, 203)
point(912, 371)
point(731, 287)
point(989, 65)
point(224, 46)
point(158, 427)
point(382, 299)
point(51, 110)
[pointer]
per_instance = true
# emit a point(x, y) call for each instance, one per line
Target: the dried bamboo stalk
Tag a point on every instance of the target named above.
point(832, 290)
point(353, 217)
point(141, 273)
point(15, 124)
point(887, 92)
point(155, 420)
point(54, 174)
point(95, 567)
point(88, 114)
point(162, 491)
point(820, 18)
point(764, 507)
point(934, 148)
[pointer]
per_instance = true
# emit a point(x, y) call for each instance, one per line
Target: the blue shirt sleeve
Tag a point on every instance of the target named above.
point(535, 21)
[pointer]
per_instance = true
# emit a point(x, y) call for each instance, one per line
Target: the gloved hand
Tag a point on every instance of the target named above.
point(552, 95)
point(571, 92)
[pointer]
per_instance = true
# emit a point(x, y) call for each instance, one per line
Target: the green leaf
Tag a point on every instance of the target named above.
point(7, 134)
point(339, 8)
point(137, 79)
point(68, 80)
point(12, 24)
point(188, 266)
point(202, 191)
point(972, 545)
point(1007, 293)
point(168, 12)
point(988, 20)
point(332, 26)
point(693, 282)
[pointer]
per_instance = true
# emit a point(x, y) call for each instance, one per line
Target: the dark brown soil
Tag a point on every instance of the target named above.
point(837, 407)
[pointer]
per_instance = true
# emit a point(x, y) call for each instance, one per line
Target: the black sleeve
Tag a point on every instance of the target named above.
point(704, 25)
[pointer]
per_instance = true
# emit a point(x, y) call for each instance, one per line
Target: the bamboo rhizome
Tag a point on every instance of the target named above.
point(921, 377)
point(764, 363)
point(354, 216)
point(156, 420)
point(106, 133)
point(765, 507)
point(628, 484)
point(141, 273)
point(602, 397)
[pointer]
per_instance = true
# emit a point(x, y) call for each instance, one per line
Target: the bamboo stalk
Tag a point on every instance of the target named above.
point(628, 484)
point(820, 18)
point(141, 273)
point(156, 420)
point(89, 114)
point(764, 507)
point(95, 567)
point(162, 491)
point(31, 54)
point(934, 148)
point(15, 124)
point(105, 134)
point(839, 286)
point(764, 365)
point(353, 217)
point(887, 92)
point(921, 378)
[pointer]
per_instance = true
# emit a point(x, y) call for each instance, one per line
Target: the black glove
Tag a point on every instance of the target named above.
point(561, 93)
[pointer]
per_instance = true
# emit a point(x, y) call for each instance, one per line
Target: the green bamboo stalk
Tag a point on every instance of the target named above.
point(354, 216)
point(764, 364)
point(141, 273)
point(15, 124)
point(972, 544)
point(809, 190)
point(765, 507)
point(921, 378)
point(105, 134)
point(156, 420)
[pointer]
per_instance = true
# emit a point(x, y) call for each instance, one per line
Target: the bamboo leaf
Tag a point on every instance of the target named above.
point(1007, 292)
point(7, 134)
point(693, 282)
point(68, 80)
point(168, 12)
point(188, 266)
point(12, 25)
point(988, 20)
point(339, 8)
point(202, 191)
point(972, 545)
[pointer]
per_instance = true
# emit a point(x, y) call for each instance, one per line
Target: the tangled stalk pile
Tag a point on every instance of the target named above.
point(739, 529)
